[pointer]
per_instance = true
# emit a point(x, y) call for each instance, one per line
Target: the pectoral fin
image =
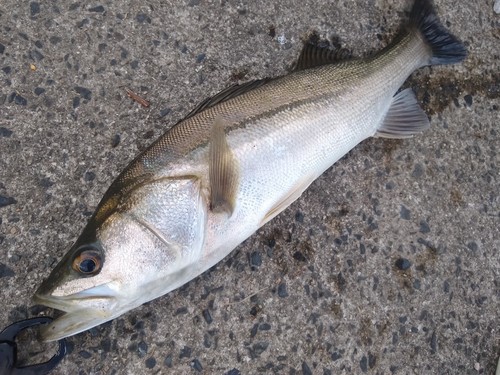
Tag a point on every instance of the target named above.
point(292, 195)
point(223, 171)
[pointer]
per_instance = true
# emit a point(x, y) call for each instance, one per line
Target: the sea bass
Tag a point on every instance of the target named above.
point(232, 165)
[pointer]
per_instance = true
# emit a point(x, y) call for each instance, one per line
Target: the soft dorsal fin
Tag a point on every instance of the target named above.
point(313, 56)
point(226, 94)
point(405, 118)
point(223, 171)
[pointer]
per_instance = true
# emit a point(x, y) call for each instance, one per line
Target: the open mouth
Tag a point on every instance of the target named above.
point(83, 311)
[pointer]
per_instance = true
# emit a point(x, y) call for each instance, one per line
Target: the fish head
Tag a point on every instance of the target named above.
point(120, 264)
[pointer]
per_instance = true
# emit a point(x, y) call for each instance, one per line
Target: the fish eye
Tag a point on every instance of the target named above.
point(88, 261)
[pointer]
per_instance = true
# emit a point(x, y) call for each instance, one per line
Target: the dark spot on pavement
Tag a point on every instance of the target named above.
point(299, 256)
point(447, 87)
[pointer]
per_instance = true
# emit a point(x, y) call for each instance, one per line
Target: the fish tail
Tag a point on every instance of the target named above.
point(446, 48)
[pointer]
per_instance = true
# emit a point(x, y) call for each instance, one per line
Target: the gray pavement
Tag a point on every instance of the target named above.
point(388, 264)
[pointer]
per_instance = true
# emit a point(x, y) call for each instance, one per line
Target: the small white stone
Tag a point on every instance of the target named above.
point(496, 7)
point(282, 39)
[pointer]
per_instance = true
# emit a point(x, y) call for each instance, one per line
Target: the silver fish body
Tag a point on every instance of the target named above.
point(223, 172)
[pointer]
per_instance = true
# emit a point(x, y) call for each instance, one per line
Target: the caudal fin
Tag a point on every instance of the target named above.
point(446, 48)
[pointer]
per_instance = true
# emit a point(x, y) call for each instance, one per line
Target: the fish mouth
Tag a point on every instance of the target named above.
point(82, 311)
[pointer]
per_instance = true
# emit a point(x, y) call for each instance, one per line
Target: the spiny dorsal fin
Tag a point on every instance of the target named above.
point(405, 118)
point(313, 56)
point(223, 171)
point(226, 94)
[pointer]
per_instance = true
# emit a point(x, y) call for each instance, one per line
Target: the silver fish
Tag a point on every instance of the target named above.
point(232, 165)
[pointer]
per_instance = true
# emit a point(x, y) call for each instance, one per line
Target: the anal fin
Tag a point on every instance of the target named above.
point(405, 118)
point(223, 171)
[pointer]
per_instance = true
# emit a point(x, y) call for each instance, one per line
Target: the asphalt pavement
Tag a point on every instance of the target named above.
point(388, 264)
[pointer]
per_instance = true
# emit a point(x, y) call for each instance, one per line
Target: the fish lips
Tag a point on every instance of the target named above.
point(83, 310)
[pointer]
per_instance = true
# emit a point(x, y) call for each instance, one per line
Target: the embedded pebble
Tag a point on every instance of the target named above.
point(195, 364)
point(282, 290)
point(5, 201)
point(207, 316)
point(405, 213)
point(6, 271)
point(84, 354)
point(363, 364)
point(97, 9)
point(83, 92)
point(116, 140)
point(4, 132)
point(34, 8)
point(185, 352)
point(418, 171)
point(150, 362)
point(403, 264)
point(141, 18)
point(89, 176)
point(19, 100)
point(424, 227)
point(255, 260)
point(168, 361)
point(305, 369)
point(164, 112)
point(54, 40)
point(200, 58)
point(39, 91)
point(468, 100)
point(142, 349)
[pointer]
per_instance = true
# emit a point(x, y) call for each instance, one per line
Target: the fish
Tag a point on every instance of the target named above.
point(233, 164)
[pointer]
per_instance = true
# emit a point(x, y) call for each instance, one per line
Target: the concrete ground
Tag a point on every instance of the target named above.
point(388, 264)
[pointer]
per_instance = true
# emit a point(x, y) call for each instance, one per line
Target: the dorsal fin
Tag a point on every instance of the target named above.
point(226, 94)
point(313, 55)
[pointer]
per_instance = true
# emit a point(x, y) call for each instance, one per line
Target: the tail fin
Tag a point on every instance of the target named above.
point(446, 49)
